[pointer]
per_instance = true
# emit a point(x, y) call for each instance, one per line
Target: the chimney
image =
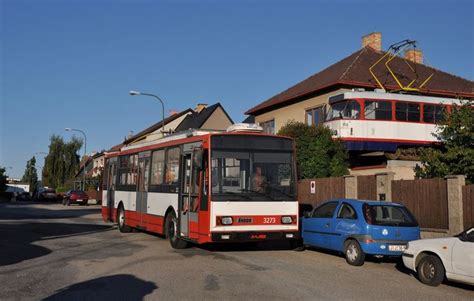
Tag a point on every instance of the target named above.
point(373, 40)
point(414, 55)
point(173, 112)
point(130, 135)
point(200, 107)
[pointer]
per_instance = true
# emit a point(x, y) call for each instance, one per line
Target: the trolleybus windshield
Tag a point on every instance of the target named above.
point(258, 176)
point(253, 173)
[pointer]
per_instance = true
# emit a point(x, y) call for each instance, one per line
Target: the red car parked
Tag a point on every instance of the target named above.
point(75, 197)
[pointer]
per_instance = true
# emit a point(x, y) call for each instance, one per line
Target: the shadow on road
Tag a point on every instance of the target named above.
point(270, 245)
point(115, 287)
point(17, 240)
point(19, 211)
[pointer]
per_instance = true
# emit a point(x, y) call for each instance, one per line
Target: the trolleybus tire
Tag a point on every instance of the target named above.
point(172, 232)
point(122, 225)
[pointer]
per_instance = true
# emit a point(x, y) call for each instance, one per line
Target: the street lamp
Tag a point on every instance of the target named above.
point(85, 151)
point(136, 93)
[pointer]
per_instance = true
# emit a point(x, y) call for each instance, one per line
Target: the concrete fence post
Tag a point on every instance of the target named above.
point(350, 187)
point(384, 186)
point(454, 186)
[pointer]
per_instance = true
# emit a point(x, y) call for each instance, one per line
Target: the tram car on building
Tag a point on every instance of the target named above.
point(372, 121)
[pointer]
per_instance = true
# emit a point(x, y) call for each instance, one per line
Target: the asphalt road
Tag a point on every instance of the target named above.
point(52, 252)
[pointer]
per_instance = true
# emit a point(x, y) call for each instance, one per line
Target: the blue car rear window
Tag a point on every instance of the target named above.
point(384, 215)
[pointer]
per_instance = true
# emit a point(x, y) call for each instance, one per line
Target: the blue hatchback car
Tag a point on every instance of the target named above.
point(357, 228)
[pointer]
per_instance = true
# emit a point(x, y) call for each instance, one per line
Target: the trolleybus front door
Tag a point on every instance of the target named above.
point(142, 185)
point(189, 198)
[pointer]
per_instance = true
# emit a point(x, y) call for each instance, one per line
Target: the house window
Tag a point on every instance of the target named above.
point(315, 116)
point(268, 126)
point(406, 111)
point(433, 113)
point(378, 110)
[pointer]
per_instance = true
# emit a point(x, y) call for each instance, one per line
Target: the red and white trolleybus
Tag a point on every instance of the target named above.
point(203, 186)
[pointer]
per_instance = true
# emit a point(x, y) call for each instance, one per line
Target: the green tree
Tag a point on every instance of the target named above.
point(456, 155)
point(3, 179)
point(62, 162)
point(30, 176)
point(317, 153)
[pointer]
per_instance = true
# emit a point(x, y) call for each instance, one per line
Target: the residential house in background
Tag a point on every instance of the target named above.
point(92, 165)
point(85, 166)
point(202, 117)
point(307, 101)
point(97, 163)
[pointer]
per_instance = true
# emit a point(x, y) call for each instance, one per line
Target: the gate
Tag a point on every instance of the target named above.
point(427, 199)
point(366, 188)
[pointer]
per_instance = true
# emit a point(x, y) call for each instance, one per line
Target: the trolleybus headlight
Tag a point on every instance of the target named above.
point(227, 220)
point(286, 220)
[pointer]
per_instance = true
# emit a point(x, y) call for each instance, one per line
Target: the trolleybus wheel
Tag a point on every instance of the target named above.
point(121, 221)
point(172, 232)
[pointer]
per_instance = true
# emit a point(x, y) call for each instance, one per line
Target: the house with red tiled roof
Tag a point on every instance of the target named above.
point(307, 100)
point(353, 72)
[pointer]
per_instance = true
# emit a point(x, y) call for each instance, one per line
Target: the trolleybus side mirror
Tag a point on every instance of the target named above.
point(198, 158)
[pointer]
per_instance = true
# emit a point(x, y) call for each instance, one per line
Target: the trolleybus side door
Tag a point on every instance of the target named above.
point(142, 185)
point(189, 193)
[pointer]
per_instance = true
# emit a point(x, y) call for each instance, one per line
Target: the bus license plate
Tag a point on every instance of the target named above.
point(397, 248)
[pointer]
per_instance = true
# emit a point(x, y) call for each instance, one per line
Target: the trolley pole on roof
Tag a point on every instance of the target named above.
point(85, 152)
point(136, 93)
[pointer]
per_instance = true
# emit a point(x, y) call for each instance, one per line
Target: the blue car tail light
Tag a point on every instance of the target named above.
point(367, 214)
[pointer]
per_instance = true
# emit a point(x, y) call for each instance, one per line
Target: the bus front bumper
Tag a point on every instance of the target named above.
point(253, 236)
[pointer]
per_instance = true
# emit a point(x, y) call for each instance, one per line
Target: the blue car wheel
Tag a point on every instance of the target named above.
point(353, 253)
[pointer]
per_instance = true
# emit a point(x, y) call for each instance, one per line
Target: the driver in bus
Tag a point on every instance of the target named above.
point(258, 180)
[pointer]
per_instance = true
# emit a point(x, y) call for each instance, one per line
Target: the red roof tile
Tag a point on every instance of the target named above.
point(353, 71)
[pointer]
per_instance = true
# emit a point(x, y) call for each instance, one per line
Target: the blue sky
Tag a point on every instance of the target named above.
point(72, 63)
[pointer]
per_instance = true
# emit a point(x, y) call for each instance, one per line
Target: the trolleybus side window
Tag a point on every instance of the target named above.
point(127, 172)
point(158, 167)
point(172, 166)
point(406, 111)
point(433, 113)
point(132, 178)
point(378, 110)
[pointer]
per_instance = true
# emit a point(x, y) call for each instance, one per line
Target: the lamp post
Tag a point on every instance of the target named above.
point(85, 151)
point(136, 93)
